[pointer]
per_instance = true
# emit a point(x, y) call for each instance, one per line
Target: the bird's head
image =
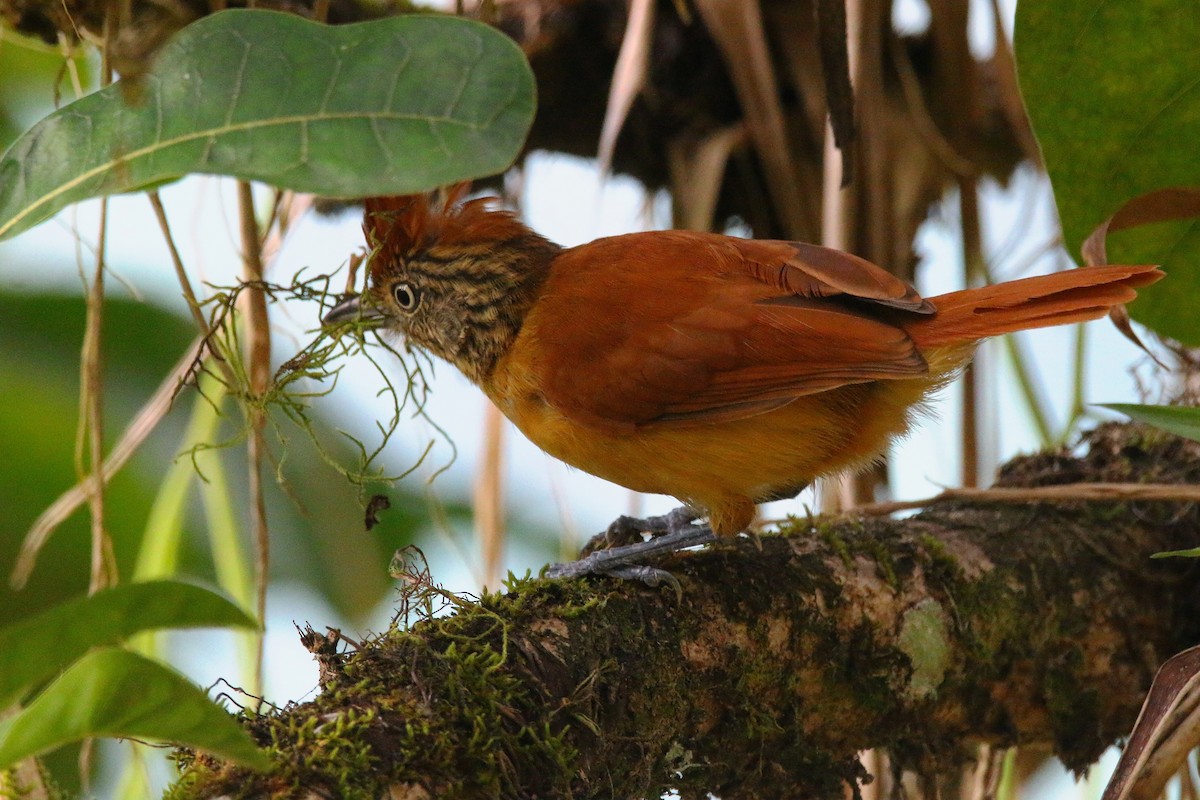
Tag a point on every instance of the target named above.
point(454, 278)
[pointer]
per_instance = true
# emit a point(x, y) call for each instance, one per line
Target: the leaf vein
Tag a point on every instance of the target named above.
point(211, 135)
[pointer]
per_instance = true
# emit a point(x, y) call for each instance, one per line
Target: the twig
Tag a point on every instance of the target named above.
point(103, 570)
point(489, 498)
point(258, 352)
point(208, 339)
point(1078, 381)
point(185, 285)
point(1067, 492)
point(67, 48)
point(918, 113)
point(1031, 389)
point(974, 273)
point(258, 333)
point(287, 209)
point(103, 567)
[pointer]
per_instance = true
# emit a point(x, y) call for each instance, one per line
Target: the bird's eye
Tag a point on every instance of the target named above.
point(406, 296)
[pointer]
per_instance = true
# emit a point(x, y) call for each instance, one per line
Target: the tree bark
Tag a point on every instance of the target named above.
point(785, 657)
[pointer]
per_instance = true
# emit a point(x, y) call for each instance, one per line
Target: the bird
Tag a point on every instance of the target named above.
point(722, 371)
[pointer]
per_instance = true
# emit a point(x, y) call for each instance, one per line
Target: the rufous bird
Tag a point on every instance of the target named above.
point(723, 371)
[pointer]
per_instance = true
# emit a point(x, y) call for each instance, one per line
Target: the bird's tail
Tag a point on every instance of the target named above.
point(1076, 295)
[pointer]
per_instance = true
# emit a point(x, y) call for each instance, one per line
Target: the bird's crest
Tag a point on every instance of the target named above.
point(399, 226)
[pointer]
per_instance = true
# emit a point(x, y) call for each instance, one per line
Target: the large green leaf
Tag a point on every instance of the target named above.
point(395, 105)
point(114, 692)
point(41, 645)
point(1112, 93)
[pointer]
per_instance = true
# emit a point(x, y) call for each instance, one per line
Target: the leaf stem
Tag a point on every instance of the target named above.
point(1079, 378)
point(1034, 402)
point(185, 285)
point(974, 274)
point(103, 569)
point(147, 419)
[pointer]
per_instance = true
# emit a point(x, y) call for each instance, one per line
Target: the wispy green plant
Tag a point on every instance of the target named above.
point(313, 373)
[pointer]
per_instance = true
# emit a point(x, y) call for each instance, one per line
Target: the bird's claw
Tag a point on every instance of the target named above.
point(626, 530)
point(622, 562)
point(651, 576)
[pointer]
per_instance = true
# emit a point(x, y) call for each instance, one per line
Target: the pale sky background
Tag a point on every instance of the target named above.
point(565, 201)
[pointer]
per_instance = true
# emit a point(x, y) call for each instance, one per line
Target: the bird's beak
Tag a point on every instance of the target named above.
point(353, 309)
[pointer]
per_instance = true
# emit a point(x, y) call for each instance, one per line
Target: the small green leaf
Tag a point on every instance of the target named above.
point(392, 106)
point(37, 647)
point(1178, 420)
point(1112, 93)
point(114, 692)
point(1192, 553)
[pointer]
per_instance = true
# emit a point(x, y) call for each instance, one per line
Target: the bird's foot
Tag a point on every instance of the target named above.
point(623, 561)
point(626, 530)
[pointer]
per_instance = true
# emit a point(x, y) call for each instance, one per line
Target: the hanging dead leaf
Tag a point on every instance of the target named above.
point(697, 172)
point(629, 76)
point(839, 92)
point(1161, 205)
point(1167, 729)
point(737, 27)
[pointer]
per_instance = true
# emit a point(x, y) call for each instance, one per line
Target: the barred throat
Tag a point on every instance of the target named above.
point(488, 287)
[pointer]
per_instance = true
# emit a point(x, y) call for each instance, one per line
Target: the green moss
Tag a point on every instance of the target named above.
point(831, 535)
point(940, 565)
point(332, 749)
point(882, 553)
point(465, 717)
point(527, 596)
point(1107, 513)
point(848, 539)
point(16, 786)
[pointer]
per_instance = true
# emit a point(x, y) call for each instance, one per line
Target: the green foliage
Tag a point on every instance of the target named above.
point(391, 106)
point(39, 373)
point(1112, 94)
point(32, 73)
point(43, 644)
point(111, 692)
point(318, 531)
point(1178, 420)
point(1111, 91)
point(371, 728)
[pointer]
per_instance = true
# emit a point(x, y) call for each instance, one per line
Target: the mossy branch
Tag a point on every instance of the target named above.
point(1001, 624)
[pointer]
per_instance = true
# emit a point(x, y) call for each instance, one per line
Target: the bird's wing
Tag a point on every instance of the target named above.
point(674, 328)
